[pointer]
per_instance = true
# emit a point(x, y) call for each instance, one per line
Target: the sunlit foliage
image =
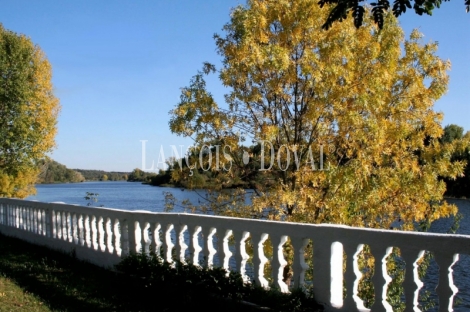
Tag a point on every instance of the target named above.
point(363, 96)
point(28, 113)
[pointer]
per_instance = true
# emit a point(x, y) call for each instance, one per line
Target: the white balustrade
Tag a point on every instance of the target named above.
point(102, 236)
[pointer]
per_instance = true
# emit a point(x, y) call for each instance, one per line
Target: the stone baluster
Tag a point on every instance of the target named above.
point(32, 219)
point(88, 231)
point(62, 230)
point(19, 212)
point(353, 276)
point(108, 236)
point(48, 220)
point(412, 283)
point(381, 279)
point(27, 224)
point(223, 250)
point(209, 250)
point(194, 247)
point(21, 217)
point(137, 236)
point(145, 239)
point(278, 264)
point(58, 231)
point(42, 223)
point(446, 289)
point(3, 214)
point(156, 243)
point(11, 216)
point(181, 244)
point(299, 265)
point(241, 256)
point(28, 219)
point(117, 237)
point(131, 235)
point(75, 233)
point(259, 258)
point(81, 229)
point(168, 244)
point(17, 216)
point(125, 249)
point(25, 218)
point(95, 233)
point(336, 274)
point(35, 221)
point(65, 229)
point(65, 226)
point(55, 230)
point(102, 234)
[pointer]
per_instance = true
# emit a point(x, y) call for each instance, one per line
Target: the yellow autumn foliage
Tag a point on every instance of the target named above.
point(28, 113)
point(362, 96)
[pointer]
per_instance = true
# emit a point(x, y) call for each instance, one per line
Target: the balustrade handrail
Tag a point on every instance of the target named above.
point(103, 235)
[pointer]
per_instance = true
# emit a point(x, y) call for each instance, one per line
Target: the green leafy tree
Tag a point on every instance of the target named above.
point(451, 133)
point(54, 172)
point(28, 113)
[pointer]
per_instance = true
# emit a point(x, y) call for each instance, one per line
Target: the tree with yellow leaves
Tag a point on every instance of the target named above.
point(358, 101)
point(28, 113)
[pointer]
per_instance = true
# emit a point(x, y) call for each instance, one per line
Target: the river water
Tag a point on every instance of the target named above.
point(136, 196)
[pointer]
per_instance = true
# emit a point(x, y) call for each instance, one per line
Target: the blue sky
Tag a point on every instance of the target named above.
point(118, 67)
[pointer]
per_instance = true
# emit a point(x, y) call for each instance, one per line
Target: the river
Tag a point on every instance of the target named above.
point(136, 196)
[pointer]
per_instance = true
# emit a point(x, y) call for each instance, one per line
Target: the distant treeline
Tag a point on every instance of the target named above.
point(54, 172)
point(100, 175)
point(138, 175)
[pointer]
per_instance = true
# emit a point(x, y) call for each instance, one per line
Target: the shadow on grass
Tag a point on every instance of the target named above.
point(67, 284)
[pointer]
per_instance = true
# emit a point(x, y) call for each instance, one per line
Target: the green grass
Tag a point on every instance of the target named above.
point(35, 278)
point(14, 298)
